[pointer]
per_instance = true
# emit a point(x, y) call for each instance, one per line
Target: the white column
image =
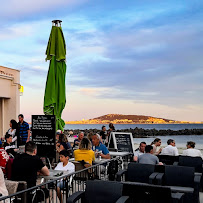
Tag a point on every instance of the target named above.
point(3, 118)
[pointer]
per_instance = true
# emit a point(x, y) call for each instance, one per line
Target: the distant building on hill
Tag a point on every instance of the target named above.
point(9, 97)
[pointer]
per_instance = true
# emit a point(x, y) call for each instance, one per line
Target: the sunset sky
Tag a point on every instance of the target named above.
point(127, 57)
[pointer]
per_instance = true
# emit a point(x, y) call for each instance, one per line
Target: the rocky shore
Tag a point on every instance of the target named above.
point(140, 132)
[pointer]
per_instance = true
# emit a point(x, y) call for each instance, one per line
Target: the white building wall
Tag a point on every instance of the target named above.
point(9, 97)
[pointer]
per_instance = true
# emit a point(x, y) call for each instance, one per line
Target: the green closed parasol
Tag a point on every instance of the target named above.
point(55, 90)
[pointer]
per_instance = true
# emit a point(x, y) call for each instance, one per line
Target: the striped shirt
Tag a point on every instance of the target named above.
point(24, 127)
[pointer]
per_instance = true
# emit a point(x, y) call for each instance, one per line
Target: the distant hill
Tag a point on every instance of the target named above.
point(124, 119)
point(132, 118)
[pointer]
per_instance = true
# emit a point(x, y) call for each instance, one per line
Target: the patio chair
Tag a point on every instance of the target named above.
point(191, 162)
point(100, 191)
point(167, 159)
point(144, 173)
point(181, 179)
point(16, 186)
point(147, 193)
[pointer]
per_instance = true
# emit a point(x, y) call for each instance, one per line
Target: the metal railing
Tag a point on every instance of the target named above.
point(58, 190)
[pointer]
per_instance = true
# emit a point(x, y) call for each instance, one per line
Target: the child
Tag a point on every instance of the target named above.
point(9, 146)
point(64, 165)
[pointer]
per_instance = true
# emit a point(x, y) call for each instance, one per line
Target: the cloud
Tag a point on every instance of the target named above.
point(15, 31)
point(11, 8)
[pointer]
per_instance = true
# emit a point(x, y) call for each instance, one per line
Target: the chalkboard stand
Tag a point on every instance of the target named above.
point(44, 135)
point(121, 142)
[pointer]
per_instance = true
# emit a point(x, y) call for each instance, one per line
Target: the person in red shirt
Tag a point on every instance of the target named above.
point(4, 157)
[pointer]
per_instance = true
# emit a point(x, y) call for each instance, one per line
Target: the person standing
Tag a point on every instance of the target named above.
point(24, 130)
point(103, 134)
point(14, 132)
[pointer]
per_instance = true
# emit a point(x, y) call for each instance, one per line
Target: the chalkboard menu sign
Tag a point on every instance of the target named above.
point(43, 134)
point(122, 142)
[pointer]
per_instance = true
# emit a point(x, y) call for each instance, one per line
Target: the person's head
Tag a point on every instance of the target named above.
point(64, 156)
point(21, 118)
point(63, 138)
point(171, 142)
point(8, 138)
point(95, 139)
point(85, 144)
point(63, 146)
point(111, 126)
point(31, 148)
point(13, 124)
point(190, 144)
point(104, 128)
point(142, 146)
point(80, 136)
point(89, 136)
point(149, 149)
point(156, 142)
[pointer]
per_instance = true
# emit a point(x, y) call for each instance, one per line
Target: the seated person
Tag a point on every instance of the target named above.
point(9, 146)
point(140, 151)
point(156, 144)
point(85, 153)
point(77, 141)
point(148, 157)
point(171, 149)
point(3, 189)
point(4, 157)
point(64, 165)
point(63, 139)
point(190, 151)
point(25, 166)
point(97, 147)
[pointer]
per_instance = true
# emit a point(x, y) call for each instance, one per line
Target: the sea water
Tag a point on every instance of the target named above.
point(180, 140)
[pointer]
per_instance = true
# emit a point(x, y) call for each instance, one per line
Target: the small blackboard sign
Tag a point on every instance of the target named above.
point(122, 142)
point(44, 134)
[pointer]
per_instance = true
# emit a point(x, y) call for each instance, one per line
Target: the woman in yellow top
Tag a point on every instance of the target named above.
point(85, 152)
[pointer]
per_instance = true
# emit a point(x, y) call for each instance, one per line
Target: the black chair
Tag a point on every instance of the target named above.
point(181, 179)
point(191, 162)
point(99, 191)
point(167, 159)
point(147, 193)
point(136, 172)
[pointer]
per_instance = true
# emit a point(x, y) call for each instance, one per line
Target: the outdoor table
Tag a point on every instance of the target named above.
point(119, 153)
point(97, 160)
point(53, 173)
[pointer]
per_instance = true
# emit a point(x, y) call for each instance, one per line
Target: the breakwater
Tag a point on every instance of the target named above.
point(140, 132)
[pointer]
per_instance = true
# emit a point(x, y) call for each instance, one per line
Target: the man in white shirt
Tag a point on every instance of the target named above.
point(140, 151)
point(64, 165)
point(171, 149)
point(190, 151)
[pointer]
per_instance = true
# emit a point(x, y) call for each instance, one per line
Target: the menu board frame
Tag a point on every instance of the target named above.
point(48, 133)
point(113, 136)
